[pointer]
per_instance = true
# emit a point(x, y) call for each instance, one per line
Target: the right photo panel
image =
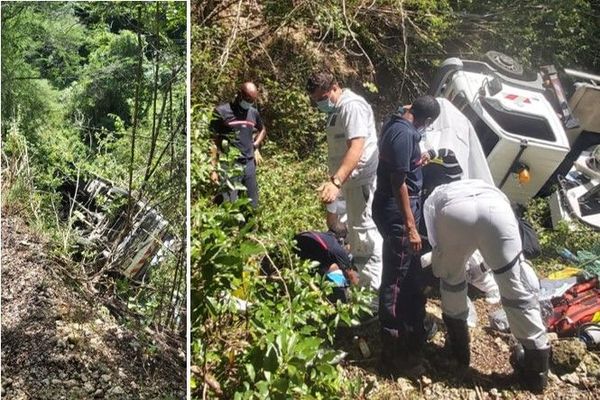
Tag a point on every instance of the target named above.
point(394, 199)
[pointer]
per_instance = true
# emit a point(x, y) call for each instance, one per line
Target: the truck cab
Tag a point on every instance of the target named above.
point(521, 131)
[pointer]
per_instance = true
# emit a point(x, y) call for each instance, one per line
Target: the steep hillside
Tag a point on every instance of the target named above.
point(59, 339)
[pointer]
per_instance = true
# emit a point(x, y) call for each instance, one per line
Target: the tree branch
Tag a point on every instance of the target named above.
point(353, 35)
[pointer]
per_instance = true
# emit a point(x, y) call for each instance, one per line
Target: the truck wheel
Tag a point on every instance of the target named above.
point(505, 64)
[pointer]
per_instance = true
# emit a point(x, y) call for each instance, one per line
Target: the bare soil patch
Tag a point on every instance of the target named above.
point(58, 342)
point(490, 376)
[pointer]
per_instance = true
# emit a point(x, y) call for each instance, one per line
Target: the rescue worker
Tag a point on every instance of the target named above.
point(239, 124)
point(397, 212)
point(442, 166)
point(467, 215)
point(334, 261)
point(352, 161)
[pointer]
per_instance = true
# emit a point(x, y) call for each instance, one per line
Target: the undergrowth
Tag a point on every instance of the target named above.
point(574, 237)
point(278, 343)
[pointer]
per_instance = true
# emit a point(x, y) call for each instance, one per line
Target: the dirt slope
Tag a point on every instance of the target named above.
point(59, 343)
point(490, 375)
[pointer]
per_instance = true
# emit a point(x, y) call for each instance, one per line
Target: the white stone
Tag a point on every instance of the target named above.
point(117, 390)
point(571, 378)
point(88, 387)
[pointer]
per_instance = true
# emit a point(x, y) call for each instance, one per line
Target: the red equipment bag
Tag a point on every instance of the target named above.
point(576, 307)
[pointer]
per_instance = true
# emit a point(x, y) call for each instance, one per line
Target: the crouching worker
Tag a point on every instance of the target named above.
point(468, 215)
point(334, 261)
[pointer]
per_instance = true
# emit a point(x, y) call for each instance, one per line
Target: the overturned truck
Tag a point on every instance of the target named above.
point(535, 139)
point(128, 240)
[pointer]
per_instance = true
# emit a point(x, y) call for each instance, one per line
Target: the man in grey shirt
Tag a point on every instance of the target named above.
point(352, 162)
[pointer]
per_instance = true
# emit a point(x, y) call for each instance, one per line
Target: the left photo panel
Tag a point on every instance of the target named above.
point(93, 203)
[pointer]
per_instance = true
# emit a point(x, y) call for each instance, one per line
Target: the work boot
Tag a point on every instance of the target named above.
point(390, 354)
point(401, 356)
point(532, 367)
point(458, 336)
point(411, 356)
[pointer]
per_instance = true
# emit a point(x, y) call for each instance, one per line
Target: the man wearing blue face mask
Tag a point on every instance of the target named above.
point(239, 123)
point(397, 213)
point(352, 162)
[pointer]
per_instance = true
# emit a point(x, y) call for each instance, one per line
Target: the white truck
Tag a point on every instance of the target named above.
point(99, 209)
point(529, 132)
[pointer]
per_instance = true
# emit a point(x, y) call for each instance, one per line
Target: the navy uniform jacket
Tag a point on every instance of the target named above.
point(232, 123)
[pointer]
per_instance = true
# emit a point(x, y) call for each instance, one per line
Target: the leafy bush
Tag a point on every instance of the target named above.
point(538, 33)
point(552, 240)
point(288, 194)
point(38, 54)
point(288, 105)
point(275, 347)
point(105, 86)
point(280, 345)
point(575, 237)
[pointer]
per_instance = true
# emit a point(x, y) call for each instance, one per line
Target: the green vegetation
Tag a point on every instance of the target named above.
point(275, 347)
point(553, 241)
point(98, 90)
point(385, 50)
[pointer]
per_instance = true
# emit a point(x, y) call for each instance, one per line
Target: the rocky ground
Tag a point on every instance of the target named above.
point(575, 371)
point(58, 342)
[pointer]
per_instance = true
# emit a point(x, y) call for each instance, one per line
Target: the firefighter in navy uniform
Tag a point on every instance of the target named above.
point(334, 261)
point(397, 213)
point(239, 124)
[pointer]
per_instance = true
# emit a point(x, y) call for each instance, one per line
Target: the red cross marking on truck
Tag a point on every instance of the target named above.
point(518, 99)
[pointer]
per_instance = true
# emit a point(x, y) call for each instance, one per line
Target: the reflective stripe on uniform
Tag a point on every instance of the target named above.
point(508, 266)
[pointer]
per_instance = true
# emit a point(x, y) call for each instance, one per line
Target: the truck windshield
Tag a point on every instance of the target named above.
point(520, 124)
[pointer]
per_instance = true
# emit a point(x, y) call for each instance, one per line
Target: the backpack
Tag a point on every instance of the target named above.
point(529, 239)
point(579, 305)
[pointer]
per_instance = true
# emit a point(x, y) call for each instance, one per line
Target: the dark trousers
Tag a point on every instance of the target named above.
point(401, 298)
point(248, 179)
